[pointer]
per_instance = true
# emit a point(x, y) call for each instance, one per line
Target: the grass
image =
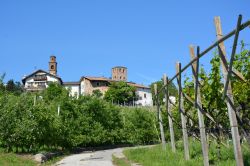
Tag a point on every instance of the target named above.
point(120, 161)
point(12, 159)
point(53, 160)
point(155, 156)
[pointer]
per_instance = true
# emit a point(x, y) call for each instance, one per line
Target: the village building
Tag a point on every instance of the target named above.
point(40, 79)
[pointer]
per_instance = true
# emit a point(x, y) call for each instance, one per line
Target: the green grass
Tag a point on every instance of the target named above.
point(12, 159)
point(155, 156)
point(53, 160)
point(120, 161)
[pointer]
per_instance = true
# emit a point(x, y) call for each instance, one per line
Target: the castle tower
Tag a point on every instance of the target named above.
point(119, 73)
point(53, 65)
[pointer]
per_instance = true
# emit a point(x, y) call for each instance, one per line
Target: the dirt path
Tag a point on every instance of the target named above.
point(97, 158)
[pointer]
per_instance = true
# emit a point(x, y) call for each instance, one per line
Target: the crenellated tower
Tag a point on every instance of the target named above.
point(119, 73)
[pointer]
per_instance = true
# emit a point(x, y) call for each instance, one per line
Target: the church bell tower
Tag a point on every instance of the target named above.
point(53, 65)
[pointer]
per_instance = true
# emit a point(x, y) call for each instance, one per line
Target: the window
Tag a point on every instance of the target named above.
point(124, 78)
point(140, 98)
point(52, 67)
point(145, 95)
point(97, 84)
point(121, 77)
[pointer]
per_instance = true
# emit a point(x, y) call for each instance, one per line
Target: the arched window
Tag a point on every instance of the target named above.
point(52, 67)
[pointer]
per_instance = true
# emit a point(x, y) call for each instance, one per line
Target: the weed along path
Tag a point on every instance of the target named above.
point(97, 158)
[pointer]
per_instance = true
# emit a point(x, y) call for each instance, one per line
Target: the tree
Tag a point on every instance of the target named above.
point(2, 87)
point(241, 90)
point(97, 93)
point(14, 87)
point(172, 89)
point(55, 92)
point(120, 92)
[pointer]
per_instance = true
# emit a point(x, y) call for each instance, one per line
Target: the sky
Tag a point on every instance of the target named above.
point(89, 37)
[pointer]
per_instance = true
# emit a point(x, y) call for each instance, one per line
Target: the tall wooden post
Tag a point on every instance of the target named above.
point(163, 141)
point(168, 109)
point(34, 103)
point(229, 97)
point(58, 110)
point(181, 110)
point(198, 105)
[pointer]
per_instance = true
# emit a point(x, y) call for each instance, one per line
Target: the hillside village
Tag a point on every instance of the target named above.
point(39, 80)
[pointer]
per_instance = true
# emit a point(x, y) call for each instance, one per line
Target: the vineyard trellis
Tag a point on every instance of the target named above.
point(227, 71)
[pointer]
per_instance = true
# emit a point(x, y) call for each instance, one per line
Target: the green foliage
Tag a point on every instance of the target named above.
point(140, 126)
point(31, 121)
point(15, 160)
point(55, 92)
point(211, 88)
point(241, 90)
point(97, 93)
point(155, 156)
point(10, 87)
point(120, 161)
point(2, 87)
point(172, 90)
point(120, 92)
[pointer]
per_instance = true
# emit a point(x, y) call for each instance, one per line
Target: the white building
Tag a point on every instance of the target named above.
point(144, 95)
point(73, 87)
point(39, 80)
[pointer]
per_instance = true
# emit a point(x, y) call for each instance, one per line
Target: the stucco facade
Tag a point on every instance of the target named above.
point(89, 84)
point(144, 97)
point(39, 80)
point(73, 88)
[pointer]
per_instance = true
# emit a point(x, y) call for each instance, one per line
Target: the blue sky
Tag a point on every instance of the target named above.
point(90, 37)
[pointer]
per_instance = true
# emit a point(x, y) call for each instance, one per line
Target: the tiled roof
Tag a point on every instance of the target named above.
point(110, 80)
point(23, 80)
point(71, 83)
point(97, 78)
point(138, 85)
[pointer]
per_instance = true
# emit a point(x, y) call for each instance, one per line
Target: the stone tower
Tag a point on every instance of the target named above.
point(53, 65)
point(119, 73)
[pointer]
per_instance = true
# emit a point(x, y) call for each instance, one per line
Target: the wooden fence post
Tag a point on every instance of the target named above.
point(34, 102)
point(163, 141)
point(181, 110)
point(229, 97)
point(168, 109)
point(58, 110)
point(198, 105)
